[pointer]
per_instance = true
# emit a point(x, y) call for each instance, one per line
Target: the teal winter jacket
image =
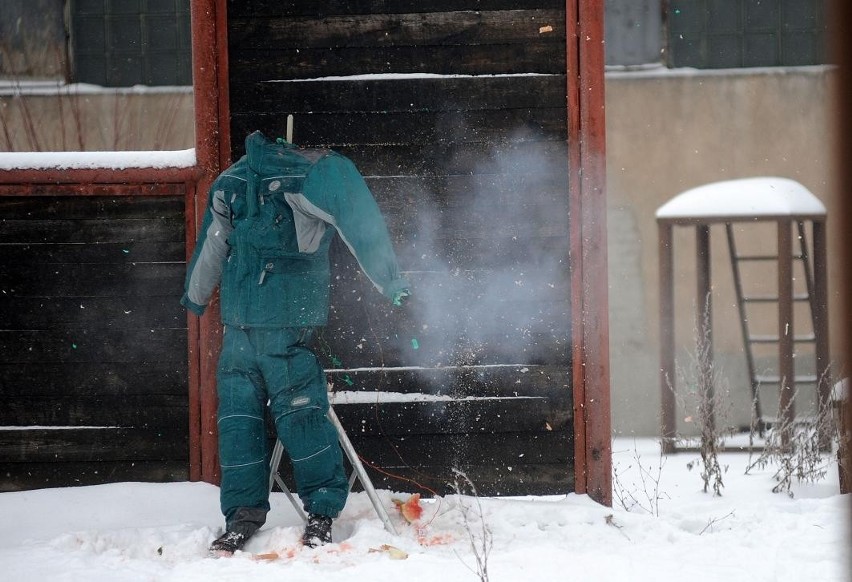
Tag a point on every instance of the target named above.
point(266, 232)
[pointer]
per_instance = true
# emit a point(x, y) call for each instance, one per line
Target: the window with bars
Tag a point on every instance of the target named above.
point(121, 43)
point(746, 33)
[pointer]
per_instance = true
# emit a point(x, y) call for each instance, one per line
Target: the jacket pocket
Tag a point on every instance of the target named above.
point(293, 290)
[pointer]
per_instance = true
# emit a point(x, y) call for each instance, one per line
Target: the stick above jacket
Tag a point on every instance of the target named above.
point(267, 229)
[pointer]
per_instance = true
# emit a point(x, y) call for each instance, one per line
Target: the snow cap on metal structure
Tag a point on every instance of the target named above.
point(744, 198)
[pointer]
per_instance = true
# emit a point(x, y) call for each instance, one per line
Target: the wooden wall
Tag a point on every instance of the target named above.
point(93, 372)
point(455, 112)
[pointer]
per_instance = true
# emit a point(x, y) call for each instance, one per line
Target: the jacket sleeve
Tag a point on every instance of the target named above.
point(205, 267)
point(335, 192)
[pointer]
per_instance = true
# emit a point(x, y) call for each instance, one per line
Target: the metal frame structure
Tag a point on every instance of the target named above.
point(704, 307)
point(358, 474)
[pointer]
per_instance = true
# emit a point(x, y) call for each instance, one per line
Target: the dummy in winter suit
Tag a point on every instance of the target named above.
point(264, 239)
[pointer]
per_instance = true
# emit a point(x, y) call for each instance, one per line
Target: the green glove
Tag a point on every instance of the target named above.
point(400, 296)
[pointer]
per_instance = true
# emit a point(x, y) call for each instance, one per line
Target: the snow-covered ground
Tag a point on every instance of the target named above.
point(136, 531)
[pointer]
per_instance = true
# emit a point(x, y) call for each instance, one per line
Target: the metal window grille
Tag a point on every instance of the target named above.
point(717, 34)
point(634, 32)
point(120, 43)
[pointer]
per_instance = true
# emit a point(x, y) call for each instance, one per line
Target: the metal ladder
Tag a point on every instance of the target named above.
point(750, 340)
point(358, 473)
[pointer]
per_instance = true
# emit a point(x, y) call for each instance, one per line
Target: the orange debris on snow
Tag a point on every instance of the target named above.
point(411, 510)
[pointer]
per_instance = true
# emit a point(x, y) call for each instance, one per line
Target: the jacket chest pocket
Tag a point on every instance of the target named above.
point(270, 231)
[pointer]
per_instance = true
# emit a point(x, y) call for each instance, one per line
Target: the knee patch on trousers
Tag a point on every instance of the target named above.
point(242, 440)
point(305, 432)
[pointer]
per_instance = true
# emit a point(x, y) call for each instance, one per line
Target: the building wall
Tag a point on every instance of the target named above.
point(668, 131)
point(671, 130)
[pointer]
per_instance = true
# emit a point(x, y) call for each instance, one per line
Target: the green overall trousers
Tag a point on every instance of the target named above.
point(272, 365)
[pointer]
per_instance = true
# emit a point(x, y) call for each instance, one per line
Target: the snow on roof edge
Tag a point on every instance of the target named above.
point(658, 70)
point(47, 87)
point(746, 197)
point(97, 160)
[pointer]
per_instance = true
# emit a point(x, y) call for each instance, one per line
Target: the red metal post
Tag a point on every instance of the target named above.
point(192, 356)
point(588, 260)
point(575, 234)
point(208, 47)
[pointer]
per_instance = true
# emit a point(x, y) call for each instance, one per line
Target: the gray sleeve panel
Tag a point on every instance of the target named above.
point(314, 221)
point(310, 222)
point(207, 269)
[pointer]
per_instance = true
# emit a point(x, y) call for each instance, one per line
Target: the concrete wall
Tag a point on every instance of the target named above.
point(671, 130)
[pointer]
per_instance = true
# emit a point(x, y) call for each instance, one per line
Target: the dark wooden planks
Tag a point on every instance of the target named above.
point(93, 373)
point(478, 42)
point(463, 28)
point(464, 146)
point(120, 345)
point(137, 311)
point(242, 8)
point(93, 280)
point(45, 206)
point(65, 380)
point(498, 464)
point(401, 94)
point(138, 411)
point(109, 443)
point(54, 473)
point(443, 128)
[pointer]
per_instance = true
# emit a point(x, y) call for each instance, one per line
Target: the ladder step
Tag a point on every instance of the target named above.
point(764, 257)
point(773, 298)
point(803, 419)
point(807, 379)
point(773, 339)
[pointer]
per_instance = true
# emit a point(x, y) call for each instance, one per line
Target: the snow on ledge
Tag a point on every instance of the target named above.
point(748, 197)
point(381, 397)
point(96, 160)
point(398, 76)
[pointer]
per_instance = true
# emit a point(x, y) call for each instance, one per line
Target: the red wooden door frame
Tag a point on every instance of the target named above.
point(587, 252)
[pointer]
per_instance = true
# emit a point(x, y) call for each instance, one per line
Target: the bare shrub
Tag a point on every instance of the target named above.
point(473, 519)
point(797, 448)
point(645, 494)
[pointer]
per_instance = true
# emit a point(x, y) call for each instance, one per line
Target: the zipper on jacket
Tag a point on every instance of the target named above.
point(267, 268)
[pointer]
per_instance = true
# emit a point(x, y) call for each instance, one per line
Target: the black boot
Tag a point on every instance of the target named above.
point(317, 531)
point(228, 543)
point(239, 527)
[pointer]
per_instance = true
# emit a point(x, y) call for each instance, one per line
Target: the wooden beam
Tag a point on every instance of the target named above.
point(704, 322)
point(587, 254)
point(786, 350)
point(668, 379)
